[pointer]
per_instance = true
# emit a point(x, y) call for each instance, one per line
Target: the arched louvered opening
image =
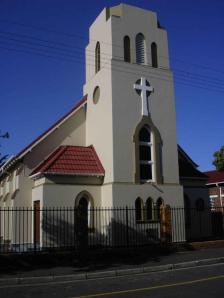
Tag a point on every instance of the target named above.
point(127, 49)
point(97, 57)
point(140, 49)
point(138, 209)
point(154, 55)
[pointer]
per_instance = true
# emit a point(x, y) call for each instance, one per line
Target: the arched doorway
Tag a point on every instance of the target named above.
point(84, 218)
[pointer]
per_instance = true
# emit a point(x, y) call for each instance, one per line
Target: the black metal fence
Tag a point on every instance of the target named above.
point(27, 229)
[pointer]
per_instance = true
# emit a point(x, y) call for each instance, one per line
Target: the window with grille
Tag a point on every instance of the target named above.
point(145, 155)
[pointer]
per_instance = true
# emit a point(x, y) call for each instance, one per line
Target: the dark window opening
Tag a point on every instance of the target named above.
point(154, 55)
point(127, 49)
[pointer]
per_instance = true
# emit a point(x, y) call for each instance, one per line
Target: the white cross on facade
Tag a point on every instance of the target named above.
point(145, 91)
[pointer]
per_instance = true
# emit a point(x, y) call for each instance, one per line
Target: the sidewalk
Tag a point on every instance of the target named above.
point(46, 269)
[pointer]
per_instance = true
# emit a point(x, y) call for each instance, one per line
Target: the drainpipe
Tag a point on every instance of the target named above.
point(220, 194)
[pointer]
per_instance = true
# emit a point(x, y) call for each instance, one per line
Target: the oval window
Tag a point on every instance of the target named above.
point(96, 95)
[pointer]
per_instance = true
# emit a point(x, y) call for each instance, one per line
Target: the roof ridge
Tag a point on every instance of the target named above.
point(101, 168)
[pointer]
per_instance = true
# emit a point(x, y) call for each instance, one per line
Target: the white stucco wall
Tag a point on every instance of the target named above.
point(111, 122)
point(71, 132)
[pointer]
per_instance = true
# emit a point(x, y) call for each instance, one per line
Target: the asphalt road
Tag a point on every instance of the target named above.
point(206, 281)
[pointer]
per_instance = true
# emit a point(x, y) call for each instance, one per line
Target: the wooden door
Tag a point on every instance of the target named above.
point(36, 225)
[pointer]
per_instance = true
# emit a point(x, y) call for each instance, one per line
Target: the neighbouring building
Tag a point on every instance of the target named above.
point(215, 185)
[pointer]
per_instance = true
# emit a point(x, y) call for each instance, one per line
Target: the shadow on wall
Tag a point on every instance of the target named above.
point(74, 232)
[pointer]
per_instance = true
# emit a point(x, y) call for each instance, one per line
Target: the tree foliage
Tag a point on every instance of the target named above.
point(218, 161)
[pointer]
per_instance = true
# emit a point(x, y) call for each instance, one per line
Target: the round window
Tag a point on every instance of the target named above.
point(96, 95)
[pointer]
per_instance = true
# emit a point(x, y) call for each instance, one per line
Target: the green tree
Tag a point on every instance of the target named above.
point(3, 157)
point(218, 161)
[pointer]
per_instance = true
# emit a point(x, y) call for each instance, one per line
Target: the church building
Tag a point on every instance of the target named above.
point(118, 144)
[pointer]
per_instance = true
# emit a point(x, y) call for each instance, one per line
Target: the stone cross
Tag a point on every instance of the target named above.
point(143, 88)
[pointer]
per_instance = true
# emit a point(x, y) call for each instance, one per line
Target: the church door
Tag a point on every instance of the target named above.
point(36, 225)
point(82, 222)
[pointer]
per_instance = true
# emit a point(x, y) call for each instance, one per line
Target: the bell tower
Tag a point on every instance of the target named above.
point(131, 117)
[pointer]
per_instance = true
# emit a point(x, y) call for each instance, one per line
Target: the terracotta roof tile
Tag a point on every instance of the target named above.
point(215, 176)
point(72, 160)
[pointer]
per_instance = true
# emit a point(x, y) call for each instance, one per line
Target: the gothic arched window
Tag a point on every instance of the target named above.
point(145, 154)
point(149, 209)
point(159, 203)
point(154, 55)
point(127, 49)
point(138, 209)
point(148, 152)
point(97, 57)
point(140, 49)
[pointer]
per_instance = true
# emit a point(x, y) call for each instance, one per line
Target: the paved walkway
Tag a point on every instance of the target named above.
point(134, 262)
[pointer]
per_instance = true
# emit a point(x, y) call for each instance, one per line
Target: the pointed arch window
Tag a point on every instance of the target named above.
point(159, 203)
point(138, 209)
point(140, 49)
point(127, 49)
point(146, 154)
point(154, 55)
point(149, 209)
point(97, 57)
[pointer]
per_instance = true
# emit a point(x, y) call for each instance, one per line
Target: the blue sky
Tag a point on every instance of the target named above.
point(39, 83)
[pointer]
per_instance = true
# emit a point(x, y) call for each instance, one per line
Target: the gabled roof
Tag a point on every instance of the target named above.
point(215, 177)
point(185, 156)
point(71, 160)
point(187, 167)
point(52, 128)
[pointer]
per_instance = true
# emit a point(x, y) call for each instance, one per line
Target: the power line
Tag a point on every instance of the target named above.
point(73, 35)
point(180, 81)
point(183, 73)
point(76, 49)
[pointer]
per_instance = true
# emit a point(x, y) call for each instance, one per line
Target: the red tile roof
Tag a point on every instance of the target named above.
point(215, 176)
point(72, 160)
point(60, 121)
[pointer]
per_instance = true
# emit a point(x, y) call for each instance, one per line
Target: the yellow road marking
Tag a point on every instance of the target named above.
point(152, 288)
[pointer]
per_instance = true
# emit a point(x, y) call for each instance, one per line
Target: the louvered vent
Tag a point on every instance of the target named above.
point(140, 49)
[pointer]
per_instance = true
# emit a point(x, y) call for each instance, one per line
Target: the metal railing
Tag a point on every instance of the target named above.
point(65, 228)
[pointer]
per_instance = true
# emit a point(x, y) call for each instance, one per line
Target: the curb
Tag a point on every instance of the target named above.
point(111, 273)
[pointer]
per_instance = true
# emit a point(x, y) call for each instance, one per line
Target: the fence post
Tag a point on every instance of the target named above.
point(127, 234)
point(74, 226)
point(166, 225)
